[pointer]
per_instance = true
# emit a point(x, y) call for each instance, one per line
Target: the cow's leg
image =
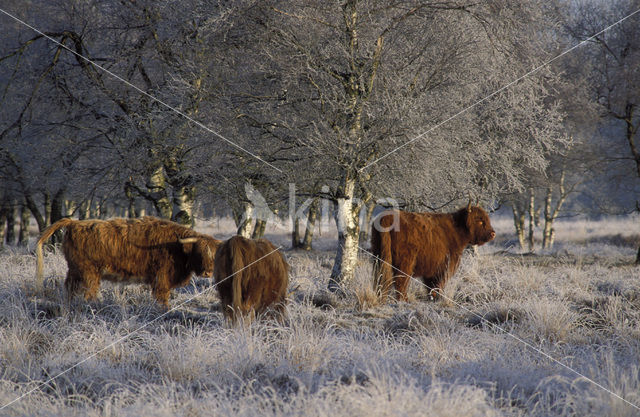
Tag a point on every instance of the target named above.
point(383, 282)
point(402, 276)
point(72, 283)
point(433, 285)
point(162, 295)
point(161, 290)
point(436, 284)
point(91, 284)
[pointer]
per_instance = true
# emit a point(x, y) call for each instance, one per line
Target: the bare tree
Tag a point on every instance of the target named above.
point(615, 60)
point(354, 82)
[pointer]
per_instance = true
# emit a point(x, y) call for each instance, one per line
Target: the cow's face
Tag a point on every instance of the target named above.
point(206, 250)
point(479, 226)
point(201, 252)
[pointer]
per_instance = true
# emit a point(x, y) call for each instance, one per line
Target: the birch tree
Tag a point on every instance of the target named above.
point(356, 80)
point(615, 57)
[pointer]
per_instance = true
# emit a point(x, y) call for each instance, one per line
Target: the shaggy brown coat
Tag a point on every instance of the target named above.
point(156, 252)
point(427, 245)
point(251, 276)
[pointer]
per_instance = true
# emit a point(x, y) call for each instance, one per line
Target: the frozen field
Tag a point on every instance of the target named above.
point(579, 304)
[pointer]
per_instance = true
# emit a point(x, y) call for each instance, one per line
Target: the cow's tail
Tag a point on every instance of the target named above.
point(382, 271)
point(239, 272)
point(48, 232)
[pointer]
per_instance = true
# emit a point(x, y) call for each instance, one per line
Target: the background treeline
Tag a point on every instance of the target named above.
point(319, 94)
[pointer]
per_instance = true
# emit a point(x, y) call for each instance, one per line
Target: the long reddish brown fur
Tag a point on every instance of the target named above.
point(426, 245)
point(252, 277)
point(153, 251)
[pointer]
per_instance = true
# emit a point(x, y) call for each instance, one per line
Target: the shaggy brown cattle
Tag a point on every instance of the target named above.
point(251, 275)
point(156, 252)
point(427, 245)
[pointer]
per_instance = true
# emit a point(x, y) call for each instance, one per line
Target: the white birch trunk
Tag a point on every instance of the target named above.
point(551, 213)
point(158, 191)
point(532, 216)
point(347, 216)
point(244, 228)
point(183, 203)
point(518, 222)
point(547, 233)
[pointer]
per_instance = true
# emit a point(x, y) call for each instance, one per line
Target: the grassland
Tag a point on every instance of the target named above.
point(480, 351)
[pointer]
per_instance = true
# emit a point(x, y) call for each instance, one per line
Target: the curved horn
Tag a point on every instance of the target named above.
point(469, 205)
point(188, 240)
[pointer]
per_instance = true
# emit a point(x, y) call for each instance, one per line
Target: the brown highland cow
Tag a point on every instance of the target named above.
point(252, 276)
point(427, 245)
point(152, 251)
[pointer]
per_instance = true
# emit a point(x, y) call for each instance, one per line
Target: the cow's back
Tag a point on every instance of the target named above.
point(273, 272)
point(425, 237)
point(251, 275)
point(126, 248)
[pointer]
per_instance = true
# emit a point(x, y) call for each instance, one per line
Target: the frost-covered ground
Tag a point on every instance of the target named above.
point(580, 304)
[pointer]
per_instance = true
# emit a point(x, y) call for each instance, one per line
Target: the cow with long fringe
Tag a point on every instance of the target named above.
point(156, 252)
point(251, 278)
point(423, 245)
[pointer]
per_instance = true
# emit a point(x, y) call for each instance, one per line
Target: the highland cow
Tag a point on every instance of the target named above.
point(152, 251)
point(251, 277)
point(426, 245)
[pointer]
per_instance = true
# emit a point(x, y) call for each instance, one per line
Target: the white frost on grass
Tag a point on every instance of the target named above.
point(337, 356)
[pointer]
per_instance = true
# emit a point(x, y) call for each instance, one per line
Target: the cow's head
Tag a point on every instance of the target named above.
point(201, 252)
point(479, 225)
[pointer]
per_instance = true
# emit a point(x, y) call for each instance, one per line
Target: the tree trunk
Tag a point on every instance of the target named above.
point(518, 222)
point(295, 233)
point(184, 191)
point(3, 222)
point(35, 211)
point(25, 218)
point(132, 212)
point(70, 207)
point(547, 233)
point(94, 210)
point(57, 212)
point(347, 216)
point(312, 215)
point(83, 210)
point(258, 229)
point(532, 220)
point(244, 227)
point(47, 211)
point(364, 234)
point(551, 213)
point(11, 222)
point(158, 193)
point(183, 202)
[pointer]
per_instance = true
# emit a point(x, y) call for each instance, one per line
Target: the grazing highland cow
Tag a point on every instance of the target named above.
point(156, 252)
point(427, 245)
point(251, 275)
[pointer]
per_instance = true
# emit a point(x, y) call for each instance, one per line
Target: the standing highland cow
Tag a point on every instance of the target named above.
point(427, 245)
point(252, 276)
point(156, 252)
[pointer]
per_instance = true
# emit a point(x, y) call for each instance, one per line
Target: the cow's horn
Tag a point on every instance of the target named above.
point(469, 205)
point(188, 240)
